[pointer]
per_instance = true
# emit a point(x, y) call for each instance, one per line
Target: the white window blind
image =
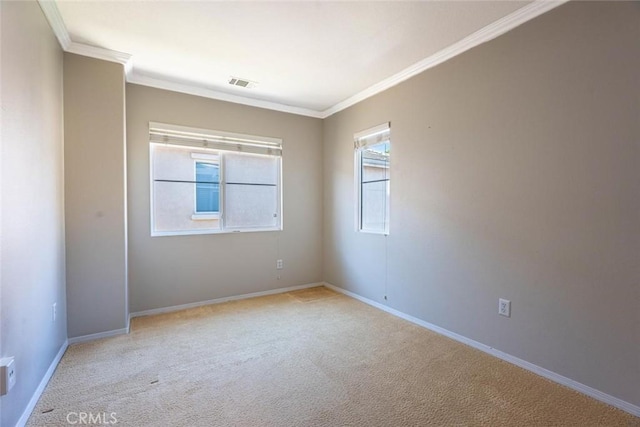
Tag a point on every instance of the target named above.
point(161, 133)
point(375, 135)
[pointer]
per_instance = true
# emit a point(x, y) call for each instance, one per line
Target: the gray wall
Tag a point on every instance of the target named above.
point(95, 189)
point(514, 173)
point(167, 271)
point(32, 227)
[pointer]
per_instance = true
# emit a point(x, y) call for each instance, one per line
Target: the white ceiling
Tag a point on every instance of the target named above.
point(308, 55)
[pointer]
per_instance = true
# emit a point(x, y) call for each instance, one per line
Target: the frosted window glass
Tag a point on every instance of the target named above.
point(173, 208)
point(250, 169)
point(197, 190)
point(251, 206)
point(172, 164)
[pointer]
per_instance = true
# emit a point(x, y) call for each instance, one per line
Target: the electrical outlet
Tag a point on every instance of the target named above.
point(7, 375)
point(504, 307)
point(279, 264)
point(54, 311)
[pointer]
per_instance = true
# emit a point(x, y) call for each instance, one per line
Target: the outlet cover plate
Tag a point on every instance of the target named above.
point(504, 307)
point(7, 375)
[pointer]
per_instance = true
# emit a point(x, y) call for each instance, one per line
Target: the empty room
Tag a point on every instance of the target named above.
point(320, 213)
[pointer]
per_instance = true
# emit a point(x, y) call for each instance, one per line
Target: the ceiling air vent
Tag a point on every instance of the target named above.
point(235, 81)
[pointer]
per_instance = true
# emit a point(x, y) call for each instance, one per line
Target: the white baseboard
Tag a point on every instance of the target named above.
point(224, 299)
point(45, 380)
point(97, 336)
point(550, 375)
point(124, 331)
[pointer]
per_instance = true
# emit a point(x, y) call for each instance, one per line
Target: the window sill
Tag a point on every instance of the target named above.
point(204, 217)
point(383, 233)
point(226, 231)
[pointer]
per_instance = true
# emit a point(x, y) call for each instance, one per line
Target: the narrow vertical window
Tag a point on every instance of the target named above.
point(373, 151)
point(207, 188)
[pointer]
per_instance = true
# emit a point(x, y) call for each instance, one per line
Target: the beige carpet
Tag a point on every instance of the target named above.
point(305, 358)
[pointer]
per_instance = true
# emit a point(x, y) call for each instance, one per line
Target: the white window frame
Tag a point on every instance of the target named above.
point(214, 143)
point(211, 159)
point(362, 140)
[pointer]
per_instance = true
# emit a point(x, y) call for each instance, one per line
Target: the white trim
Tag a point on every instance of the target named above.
point(213, 160)
point(194, 89)
point(485, 34)
point(204, 156)
point(205, 216)
point(224, 299)
point(227, 230)
point(51, 12)
point(22, 421)
point(102, 53)
point(204, 139)
point(368, 133)
point(99, 335)
point(198, 134)
point(550, 375)
point(490, 32)
point(363, 139)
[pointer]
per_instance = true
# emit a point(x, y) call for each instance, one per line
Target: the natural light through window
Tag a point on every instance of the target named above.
point(207, 188)
point(212, 182)
point(373, 151)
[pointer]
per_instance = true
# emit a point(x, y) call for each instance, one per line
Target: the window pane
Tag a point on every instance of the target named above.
point(208, 198)
point(374, 187)
point(199, 188)
point(251, 206)
point(172, 163)
point(207, 187)
point(250, 169)
point(207, 172)
point(251, 191)
point(375, 162)
point(375, 209)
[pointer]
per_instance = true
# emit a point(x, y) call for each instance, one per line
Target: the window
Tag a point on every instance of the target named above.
point(373, 150)
point(207, 188)
point(213, 182)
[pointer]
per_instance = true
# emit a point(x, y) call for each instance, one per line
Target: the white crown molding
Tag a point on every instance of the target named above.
point(102, 53)
point(51, 12)
point(192, 89)
point(490, 32)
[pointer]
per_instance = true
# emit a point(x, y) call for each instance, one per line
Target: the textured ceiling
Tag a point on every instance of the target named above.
point(306, 54)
